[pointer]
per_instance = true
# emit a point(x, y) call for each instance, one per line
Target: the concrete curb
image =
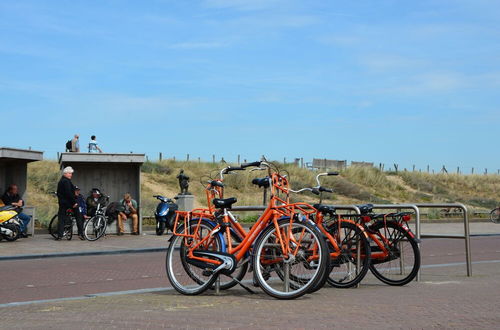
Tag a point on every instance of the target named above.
point(83, 253)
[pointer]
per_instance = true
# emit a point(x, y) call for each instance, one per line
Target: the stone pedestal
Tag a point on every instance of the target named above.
point(185, 202)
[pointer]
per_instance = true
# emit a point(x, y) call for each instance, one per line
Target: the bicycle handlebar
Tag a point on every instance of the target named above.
point(256, 164)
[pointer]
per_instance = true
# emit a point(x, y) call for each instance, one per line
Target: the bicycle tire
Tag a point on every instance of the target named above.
point(495, 215)
point(351, 236)
point(297, 280)
point(186, 278)
point(267, 243)
point(68, 231)
point(385, 270)
point(95, 228)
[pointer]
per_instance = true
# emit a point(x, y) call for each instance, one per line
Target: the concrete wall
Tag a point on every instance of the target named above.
point(13, 171)
point(113, 179)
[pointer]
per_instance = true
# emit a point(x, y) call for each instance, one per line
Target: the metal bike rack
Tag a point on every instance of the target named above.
point(416, 209)
point(465, 236)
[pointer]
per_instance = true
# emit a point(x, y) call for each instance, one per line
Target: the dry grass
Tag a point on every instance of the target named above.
point(354, 185)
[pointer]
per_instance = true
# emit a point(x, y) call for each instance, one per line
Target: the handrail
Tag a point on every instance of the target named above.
point(466, 236)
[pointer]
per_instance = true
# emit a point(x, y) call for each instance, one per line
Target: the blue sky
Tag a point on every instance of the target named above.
point(410, 82)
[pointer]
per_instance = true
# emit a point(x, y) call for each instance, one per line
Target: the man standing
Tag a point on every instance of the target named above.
point(67, 200)
point(11, 197)
point(75, 144)
point(93, 145)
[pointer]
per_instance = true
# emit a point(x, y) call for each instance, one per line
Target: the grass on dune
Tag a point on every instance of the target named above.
point(353, 185)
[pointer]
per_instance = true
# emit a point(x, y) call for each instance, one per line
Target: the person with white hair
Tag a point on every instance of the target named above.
point(67, 200)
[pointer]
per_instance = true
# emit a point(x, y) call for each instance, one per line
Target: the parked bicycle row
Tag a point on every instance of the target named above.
point(292, 249)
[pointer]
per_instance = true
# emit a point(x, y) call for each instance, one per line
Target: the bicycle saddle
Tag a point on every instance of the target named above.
point(224, 203)
point(365, 208)
point(261, 182)
point(324, 208)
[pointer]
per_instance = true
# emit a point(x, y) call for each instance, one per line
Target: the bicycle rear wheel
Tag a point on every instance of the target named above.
point(347, 270)
point(95, 228)
point(297, 272)
point(495, 215)
point(186, 276)
point(401, 263)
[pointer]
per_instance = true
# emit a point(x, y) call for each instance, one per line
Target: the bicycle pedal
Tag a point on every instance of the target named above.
point(207, 272)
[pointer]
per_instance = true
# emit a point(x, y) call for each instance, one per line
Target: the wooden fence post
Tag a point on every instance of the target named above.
point(458, 169)
point(427, 168)
point(213, 159)
point(413, 168)
point(160, 156)
point(444, 170)
point(187, 158)
point(396, 167)
point(472, 172)
point(239, 160)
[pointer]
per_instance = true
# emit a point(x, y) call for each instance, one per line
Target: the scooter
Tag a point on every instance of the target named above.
point(165, 214)
point(10, 225)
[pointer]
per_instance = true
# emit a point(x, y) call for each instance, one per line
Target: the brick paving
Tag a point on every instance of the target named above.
point(443, 300)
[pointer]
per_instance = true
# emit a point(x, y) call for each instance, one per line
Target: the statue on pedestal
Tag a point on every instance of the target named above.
point(183, 183)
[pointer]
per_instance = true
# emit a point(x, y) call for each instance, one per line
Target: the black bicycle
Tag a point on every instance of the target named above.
point(68, 226)
point(96, 226)
point(495, 215)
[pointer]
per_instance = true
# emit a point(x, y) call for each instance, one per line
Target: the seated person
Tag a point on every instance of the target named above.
point(129, 211)
point(11, 197)
point(95, 198)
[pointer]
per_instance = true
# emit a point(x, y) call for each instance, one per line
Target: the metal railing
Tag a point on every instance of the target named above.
point(465, 236)
point(416, 209)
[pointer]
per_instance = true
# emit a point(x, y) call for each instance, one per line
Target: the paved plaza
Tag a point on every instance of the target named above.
point(131, 291)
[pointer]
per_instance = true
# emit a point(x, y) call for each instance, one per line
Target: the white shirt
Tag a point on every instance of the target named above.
point(93, 146)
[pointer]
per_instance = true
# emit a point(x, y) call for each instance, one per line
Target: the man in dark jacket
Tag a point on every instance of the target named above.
point(67, 200)
point(11, 197)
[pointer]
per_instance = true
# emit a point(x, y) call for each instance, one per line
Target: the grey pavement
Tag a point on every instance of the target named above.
point(445, 299)
point(43, 244)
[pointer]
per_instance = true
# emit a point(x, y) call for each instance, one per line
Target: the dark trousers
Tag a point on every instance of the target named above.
point(65, 219)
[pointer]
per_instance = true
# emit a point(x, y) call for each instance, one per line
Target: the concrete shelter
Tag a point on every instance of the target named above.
point(113, 174)
point(14, 169)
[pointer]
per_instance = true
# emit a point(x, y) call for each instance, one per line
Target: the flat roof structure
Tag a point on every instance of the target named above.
point(113, 174)
point(14, 167)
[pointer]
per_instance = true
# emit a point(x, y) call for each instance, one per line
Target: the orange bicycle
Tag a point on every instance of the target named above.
point(288, 254)
point(395, 256)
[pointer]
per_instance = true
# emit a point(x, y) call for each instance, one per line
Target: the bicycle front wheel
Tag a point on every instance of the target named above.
point(95, 228)
point(294, 273)
point(188, 276)
point(400, 262)
point(495, 215)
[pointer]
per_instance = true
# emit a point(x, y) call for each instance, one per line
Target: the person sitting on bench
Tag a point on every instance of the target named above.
point(129, 211)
